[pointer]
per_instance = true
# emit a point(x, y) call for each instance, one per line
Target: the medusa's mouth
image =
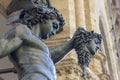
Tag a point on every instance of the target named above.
point(92, 52)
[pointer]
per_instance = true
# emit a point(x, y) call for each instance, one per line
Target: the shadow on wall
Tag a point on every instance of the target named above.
point(1, 78)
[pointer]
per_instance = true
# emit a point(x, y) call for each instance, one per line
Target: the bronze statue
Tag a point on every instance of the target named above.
point(31, 57)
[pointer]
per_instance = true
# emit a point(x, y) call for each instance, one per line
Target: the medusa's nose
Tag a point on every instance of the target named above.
point(97, 48)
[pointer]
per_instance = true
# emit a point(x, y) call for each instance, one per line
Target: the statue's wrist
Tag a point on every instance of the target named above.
point(71, 42)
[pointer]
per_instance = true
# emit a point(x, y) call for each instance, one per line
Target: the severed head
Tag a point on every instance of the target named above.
point(86, 42)
point(86, 45)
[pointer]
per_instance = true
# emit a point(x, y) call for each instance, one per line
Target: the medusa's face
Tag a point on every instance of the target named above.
point(93, 46)
point(49, 29)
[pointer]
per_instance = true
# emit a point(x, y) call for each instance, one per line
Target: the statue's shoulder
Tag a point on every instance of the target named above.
point(16, 31)
point(22, 29)
point(21, 26)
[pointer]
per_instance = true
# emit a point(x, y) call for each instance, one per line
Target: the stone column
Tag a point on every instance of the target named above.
point(89, 14)
point(80, 13)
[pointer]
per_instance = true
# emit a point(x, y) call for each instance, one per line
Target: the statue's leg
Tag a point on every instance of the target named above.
point(34, 76)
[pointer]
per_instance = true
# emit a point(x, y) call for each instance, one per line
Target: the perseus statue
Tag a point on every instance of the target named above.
point(31, 57)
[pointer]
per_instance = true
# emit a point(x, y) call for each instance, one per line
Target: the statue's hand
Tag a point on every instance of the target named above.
point(77, 38)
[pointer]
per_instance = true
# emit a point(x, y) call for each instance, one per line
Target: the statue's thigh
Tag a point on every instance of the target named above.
point(34, 76)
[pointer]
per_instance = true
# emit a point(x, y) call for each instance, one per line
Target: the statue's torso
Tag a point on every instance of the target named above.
point(31, 58)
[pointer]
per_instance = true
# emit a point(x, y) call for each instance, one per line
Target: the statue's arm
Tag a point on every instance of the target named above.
point(12, 40)
point(59, 52)
point(7, 46)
